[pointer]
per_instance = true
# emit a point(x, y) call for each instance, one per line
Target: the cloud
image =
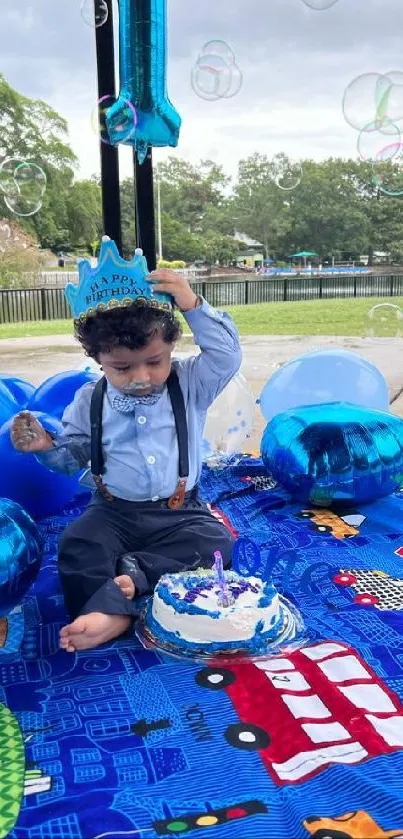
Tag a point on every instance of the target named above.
point(296, 63)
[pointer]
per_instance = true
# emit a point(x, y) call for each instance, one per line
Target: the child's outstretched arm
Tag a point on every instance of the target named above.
point(214, 332)
point(67, 452)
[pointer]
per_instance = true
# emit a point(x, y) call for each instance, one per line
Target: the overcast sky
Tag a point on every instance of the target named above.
point(296, 63)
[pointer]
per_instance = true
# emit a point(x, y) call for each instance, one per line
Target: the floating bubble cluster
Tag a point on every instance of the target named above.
point(23, 185)
point(373, 106)
point(216, 74)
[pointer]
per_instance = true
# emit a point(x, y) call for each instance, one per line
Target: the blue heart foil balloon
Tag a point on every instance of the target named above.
point(336, 453)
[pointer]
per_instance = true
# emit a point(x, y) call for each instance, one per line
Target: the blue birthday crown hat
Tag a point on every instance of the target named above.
point(114, 282)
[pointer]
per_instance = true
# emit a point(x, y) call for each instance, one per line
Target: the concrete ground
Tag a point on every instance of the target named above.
point(37, 358)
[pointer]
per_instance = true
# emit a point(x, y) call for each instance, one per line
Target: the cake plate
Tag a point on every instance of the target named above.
point(292, 637)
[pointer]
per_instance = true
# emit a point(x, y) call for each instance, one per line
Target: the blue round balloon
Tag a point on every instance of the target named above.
point(8, 405)
point(20, 554)
point(19, 388)
point(336, 454)
point(321, 377)
point(56, 393)
point(26, 481)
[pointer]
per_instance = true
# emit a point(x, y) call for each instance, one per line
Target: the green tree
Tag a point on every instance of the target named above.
point(326, 211)
point(188, 192)
point(261, 207)
point(218, 248)
point(84, 214)
point(30, 130)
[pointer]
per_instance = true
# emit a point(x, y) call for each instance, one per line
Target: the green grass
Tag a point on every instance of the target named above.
point(310, 317)
point(36, 328)
point(320, 317)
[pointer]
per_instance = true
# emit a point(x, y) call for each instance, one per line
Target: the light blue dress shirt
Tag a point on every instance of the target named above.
point(141, 448)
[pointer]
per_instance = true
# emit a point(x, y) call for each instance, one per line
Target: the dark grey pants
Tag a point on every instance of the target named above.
point(143, 539)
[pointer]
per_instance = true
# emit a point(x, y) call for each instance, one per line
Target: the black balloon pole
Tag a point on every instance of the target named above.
point(109, 154)
point(143, 173)
point(145, 216)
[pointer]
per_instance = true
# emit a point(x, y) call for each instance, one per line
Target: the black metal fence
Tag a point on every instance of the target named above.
point(31, 304)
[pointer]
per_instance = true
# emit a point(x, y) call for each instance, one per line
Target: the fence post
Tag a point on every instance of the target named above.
point(355, 287)
point(204, 284)
point(320, 287)
point(246, 292)
point(43, 303)
point(392, 286)
point(285, 289)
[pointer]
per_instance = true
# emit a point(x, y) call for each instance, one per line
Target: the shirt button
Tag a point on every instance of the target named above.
point(142, 420)
point(151, 460)
point(155, 498)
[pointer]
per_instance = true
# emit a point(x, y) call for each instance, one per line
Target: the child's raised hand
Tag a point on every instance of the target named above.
point(28, 435)
point(175, 284)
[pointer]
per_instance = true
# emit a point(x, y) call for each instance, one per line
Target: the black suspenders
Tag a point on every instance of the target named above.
point(178, 407)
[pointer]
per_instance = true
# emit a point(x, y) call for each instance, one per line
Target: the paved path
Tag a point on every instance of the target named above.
point(37, 358)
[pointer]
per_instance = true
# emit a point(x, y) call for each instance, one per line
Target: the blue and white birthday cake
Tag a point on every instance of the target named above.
point(187, 613)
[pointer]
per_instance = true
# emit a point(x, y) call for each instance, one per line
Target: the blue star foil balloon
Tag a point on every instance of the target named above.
point(335, 454)
point(20, 554)
point(114, 282)
point(143, 87)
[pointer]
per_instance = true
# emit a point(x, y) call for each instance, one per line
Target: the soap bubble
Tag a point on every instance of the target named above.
point(21, 174)
point(374, 102)
point(215, 74)
point(364, 101)
point(94, 12)
point(220, 48)
point(390, 103)
point(288, 175)
point(211, 77)
point(320, 5)
point(388, 170)
point(385, 321)
point(375, 136)
point(21, 206)
point(23, 185)
point(123, 127)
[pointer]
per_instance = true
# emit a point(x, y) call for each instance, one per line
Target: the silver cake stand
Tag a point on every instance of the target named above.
point(291, 637)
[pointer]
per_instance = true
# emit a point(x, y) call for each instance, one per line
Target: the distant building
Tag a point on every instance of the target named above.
point(378, 257)
point(251, 255)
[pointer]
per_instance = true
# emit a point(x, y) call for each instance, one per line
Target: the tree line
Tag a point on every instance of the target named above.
point(337, 208)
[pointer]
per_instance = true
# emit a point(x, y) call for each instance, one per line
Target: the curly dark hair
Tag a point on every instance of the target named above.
point(131, 326)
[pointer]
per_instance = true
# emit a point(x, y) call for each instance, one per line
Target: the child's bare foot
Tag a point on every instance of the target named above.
point(91, 630)
point(126, 584)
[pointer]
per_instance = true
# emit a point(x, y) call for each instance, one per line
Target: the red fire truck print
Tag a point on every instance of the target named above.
point(222, 518)
point(318, 706)
point(373, 588)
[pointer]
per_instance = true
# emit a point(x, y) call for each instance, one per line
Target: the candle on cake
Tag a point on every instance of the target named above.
point(225, 594)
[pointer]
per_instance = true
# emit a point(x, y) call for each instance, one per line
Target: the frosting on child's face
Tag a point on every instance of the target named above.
point(138, 372)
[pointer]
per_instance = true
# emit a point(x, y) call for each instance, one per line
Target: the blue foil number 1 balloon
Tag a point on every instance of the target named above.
point(143, 60)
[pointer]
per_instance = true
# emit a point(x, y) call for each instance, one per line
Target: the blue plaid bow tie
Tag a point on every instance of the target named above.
point(127, 404)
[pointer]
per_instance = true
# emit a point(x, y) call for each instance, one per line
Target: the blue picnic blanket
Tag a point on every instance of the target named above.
point(123, 741)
